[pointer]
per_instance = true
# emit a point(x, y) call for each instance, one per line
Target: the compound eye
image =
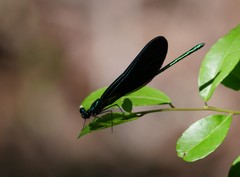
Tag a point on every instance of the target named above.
point(85, 114)
point(82, 110)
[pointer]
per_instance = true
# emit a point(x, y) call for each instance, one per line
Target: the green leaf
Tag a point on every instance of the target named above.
point(127, 105)
point(145, 96)
point(219, 62)
point(235, 168)
point(232, 81)
point(106, 121)
point(203, 137)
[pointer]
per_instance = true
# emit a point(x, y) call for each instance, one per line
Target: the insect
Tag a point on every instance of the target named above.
point(140, 72)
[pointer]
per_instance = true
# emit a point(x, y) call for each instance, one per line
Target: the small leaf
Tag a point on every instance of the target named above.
point(203, 137)
point(219, 63)
point(127, 105)
point(235, 168)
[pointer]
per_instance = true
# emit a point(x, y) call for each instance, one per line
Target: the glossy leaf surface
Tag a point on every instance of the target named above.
point(219, 62)
point(203, 137)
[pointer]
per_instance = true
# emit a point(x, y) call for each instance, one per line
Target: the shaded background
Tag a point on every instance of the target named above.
point(54, 53)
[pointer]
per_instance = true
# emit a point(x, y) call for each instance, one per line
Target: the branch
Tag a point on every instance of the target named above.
point(205, 108)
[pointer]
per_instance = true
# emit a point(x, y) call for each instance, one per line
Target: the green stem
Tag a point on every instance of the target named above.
point(205, 108)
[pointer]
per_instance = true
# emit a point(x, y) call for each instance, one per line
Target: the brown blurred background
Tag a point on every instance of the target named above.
point(54, 53)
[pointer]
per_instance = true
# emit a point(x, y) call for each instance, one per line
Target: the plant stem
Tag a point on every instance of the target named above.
point(205, 108)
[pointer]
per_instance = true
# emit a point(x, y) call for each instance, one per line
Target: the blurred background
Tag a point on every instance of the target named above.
point(54, 53)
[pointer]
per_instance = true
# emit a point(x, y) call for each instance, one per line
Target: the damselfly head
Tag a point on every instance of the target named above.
point(85, 114)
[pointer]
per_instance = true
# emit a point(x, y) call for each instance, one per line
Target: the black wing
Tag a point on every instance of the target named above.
point(140, 72)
